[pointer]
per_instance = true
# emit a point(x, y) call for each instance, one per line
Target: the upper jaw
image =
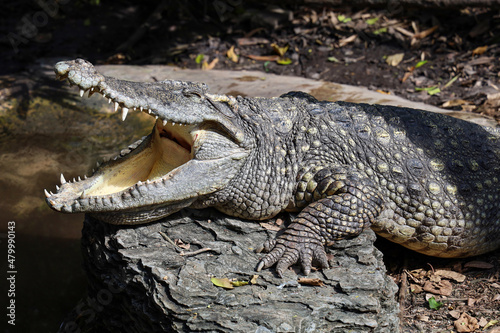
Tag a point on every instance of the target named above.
point(179, 102)
point(122, 94)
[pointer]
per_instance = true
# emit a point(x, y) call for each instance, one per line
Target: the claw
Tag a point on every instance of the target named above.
point(287, 252)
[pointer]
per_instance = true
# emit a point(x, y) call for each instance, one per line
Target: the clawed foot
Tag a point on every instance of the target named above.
point(289, 249)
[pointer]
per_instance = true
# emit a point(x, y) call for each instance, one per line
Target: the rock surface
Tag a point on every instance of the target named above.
point(140, 282)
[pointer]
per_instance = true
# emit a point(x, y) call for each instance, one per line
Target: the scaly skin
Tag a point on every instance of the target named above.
point(424, 180)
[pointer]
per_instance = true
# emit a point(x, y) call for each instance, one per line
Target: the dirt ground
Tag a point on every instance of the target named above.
point(447, 58)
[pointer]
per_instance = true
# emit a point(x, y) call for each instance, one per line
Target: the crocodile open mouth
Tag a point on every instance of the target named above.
point(166, 148)
point(150, 161)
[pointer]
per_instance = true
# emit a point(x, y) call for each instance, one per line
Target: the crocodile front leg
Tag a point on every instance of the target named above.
point(347, 204)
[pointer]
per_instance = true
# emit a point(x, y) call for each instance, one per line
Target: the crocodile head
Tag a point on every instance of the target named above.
point(195, 148)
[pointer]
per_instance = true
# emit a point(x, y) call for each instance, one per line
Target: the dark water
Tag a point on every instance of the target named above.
point(35, 148)
point(49, 279)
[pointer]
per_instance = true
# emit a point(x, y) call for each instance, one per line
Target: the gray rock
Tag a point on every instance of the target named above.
point(139, 282)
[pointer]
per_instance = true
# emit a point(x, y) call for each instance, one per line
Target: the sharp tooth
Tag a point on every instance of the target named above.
point(74, 180)
point(140, 108)
point(79, 179)
point(116, 106)
point(47, 194)
point(57, 187)
point(124, 113)
point(165, 123)
point(156, 117)
point(109, 100)
point(173, 123)
point(82, 92)
point(85, 177)
point(135, 108)
point(63, 181)
point(98, 164)
point(92, 89)
point(149, 111)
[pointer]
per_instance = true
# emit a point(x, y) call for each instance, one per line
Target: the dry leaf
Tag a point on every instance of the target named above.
point(263, 58)
point(223, 283)
point(181, 244)
point(232, 55)
point(344, 41)
point(442, 287)
point(425, 33)
point(480, 50)
point(404, 31)
point(383, 92)
point(395, 59)
point(415, 288)
point(208, 66)
point(406, 76)
point(466, 323)
point(269, 226)
point(238, 283)
point(455, 102)
point(497, 297)
point(491, 97)
point(492, 323)
point(253, 280)
point(478, 264)
point(311, 282)
point(423, 317)
point(434, 278)
point(495, 285)
point(471, 301)
point(481, 61)
point(483, 322)
point(450, 275)
point(245, 41)
point(418, 273)
point(280, 50)
point(454, 314)
point(469, 108)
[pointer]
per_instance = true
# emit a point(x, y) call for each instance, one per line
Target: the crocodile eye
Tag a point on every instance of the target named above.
point(191, 92)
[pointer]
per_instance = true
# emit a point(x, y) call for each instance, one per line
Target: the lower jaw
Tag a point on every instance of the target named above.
point(140, 216)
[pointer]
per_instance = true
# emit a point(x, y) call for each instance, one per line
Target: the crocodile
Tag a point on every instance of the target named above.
point(424, 180)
